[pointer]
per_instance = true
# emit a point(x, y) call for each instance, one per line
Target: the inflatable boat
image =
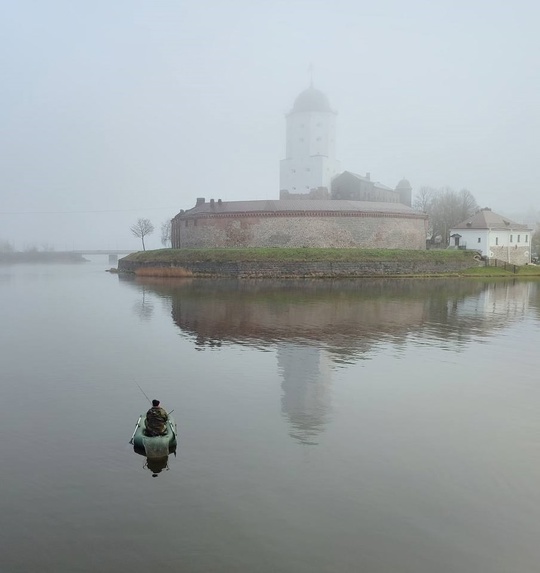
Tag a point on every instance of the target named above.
point(154, 446)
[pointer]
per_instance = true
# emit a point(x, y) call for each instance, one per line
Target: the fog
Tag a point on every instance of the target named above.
point(113, 111)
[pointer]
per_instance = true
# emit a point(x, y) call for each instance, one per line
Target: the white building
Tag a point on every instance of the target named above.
point(310, 162)
point(495, 236)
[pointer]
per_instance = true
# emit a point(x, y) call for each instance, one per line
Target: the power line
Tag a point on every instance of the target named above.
point(88, 211)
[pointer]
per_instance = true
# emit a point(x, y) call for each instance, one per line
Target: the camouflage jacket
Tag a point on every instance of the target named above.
point(155, 420)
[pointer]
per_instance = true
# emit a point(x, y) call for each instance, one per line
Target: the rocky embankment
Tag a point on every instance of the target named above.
point(189, 266)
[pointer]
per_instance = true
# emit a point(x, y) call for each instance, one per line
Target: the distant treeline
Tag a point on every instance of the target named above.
point(40, 257)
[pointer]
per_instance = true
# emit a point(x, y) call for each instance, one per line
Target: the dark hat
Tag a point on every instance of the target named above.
point(155, 403)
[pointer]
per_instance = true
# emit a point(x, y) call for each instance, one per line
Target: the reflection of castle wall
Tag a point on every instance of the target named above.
point(346, 317)
point(327, 317)
point(306, 390)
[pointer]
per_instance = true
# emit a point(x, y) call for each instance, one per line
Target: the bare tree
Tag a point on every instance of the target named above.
point(6, 247)
point(142, 228)
point(166, 233)
point(445, 208)
point(424, 198)
point(535, 241)
point(469, 206)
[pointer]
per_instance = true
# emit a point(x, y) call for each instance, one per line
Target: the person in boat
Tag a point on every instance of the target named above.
point(156, 419)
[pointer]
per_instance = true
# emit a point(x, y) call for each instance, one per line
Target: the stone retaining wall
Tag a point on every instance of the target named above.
point(271, 269)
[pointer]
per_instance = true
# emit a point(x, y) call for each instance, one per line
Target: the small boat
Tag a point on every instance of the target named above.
point(154, 446)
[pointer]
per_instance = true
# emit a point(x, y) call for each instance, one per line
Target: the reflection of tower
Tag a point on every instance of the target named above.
point(306, 390)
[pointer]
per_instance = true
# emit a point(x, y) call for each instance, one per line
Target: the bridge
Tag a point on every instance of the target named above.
point(111, 253)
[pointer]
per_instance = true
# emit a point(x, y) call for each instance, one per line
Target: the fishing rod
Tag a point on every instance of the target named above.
point(144, 393)
point(149, 398)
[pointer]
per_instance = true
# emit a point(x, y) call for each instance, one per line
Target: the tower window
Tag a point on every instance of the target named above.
point(511, 238)
point(479, 239)
point(496, 240)
point(519, 238)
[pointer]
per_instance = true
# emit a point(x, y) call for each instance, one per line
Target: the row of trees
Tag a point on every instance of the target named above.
point(445, 208)
point(144, 227)
point(535, 241)
point(7, 247)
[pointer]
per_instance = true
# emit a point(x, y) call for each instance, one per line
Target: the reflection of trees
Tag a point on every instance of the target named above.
point(144, 307)
point(535, 299)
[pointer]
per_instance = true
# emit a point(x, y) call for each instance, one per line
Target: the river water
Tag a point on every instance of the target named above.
point(381, 426)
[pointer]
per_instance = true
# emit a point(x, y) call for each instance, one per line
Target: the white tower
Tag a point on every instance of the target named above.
point(310, 161)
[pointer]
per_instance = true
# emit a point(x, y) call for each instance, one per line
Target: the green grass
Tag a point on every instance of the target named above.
point(525, 271)
point(179, 256)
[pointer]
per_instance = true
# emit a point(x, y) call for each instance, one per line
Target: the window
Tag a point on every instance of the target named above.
point(526, 238)
point(519, 238)
point(496, 240)
point(479, 239)
point(511, 238)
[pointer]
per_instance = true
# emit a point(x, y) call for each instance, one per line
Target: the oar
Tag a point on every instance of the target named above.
point(135, 430)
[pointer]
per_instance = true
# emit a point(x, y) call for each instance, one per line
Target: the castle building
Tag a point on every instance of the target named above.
point(310, 162)
point(318, 205)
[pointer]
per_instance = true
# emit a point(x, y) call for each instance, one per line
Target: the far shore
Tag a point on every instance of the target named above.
point(41, 257)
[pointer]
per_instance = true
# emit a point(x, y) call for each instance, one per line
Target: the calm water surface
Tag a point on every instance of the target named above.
point(373, 426)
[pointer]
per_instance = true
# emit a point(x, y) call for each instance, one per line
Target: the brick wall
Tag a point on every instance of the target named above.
point(514, 254)
point(342, 230)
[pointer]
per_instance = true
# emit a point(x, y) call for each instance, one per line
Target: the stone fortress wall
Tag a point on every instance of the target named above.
point(300, 229)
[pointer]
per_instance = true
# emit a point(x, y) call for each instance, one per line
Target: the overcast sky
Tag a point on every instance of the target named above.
point(118, 109)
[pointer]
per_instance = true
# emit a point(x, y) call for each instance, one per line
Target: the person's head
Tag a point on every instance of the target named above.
point(155, 403)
